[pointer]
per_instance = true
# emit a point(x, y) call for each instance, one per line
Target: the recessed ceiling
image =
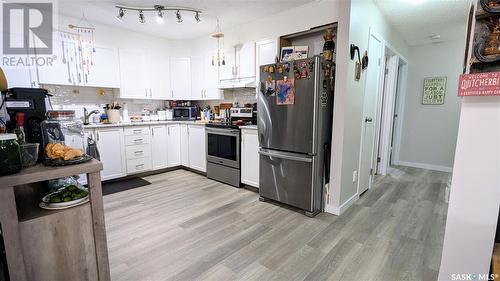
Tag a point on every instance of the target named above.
point(230, 12)
point(418, 20)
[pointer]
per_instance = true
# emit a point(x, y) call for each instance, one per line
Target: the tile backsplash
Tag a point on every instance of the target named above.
point(76, 98)
point(240, 96)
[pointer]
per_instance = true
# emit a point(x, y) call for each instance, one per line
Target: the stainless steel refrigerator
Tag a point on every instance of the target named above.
point(295, 106)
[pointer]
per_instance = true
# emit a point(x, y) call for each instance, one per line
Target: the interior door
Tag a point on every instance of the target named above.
point(372, 86)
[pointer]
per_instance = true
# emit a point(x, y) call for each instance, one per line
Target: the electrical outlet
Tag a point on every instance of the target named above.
point(354, 176)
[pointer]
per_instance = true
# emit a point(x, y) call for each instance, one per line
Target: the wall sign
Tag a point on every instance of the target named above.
point(434, 90)
point(479, 84)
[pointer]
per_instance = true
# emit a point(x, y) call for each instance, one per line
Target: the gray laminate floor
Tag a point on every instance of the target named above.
point(186, 227)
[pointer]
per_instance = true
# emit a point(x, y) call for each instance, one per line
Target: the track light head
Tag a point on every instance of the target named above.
point(197, 17)
point(178, 16)
point(141, 17)
point(159, 17)
point(121, 13)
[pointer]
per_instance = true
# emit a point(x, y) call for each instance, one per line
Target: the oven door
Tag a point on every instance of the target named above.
point(223, 147)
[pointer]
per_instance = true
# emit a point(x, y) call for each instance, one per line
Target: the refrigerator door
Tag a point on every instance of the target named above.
point(286, 177)
point(289, 127)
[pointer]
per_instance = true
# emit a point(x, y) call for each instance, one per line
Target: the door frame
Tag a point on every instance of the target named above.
point(391, 103)
point(371, 33)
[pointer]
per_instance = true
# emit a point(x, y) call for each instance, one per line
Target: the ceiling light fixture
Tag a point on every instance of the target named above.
point(159, 10)
point(178, 16)
point(121, 13)
point(141, 17)
point(159, 17)
point(197, 17)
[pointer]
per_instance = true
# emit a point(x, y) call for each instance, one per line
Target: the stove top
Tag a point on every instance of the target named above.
point(222, 125)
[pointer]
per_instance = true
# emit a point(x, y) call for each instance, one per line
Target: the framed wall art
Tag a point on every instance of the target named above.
point(434, 90)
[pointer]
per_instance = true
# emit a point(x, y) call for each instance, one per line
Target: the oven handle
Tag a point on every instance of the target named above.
point(285, 156)
point(223, 131)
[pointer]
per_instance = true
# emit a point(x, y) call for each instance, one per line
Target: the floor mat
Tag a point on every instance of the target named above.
point(122, 185)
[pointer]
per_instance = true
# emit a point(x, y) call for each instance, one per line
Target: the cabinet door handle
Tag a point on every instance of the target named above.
point(138, 131)
point(152, 131)
point(98, 136)
point(141, 166)
point(168, 130)
point(138, 141)
point(140, 152)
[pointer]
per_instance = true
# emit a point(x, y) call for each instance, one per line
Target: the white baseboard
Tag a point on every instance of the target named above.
point(425, 166)
point(336, 210)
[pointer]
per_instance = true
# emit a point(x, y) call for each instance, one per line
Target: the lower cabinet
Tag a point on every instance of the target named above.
point(173, 145)
point(197, 150)
point(110, 142)
point(159, 147)
point(250, 157)
point(184, 145)
point(138, 143)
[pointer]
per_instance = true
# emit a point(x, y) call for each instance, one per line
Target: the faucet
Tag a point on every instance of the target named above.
point(86, 115)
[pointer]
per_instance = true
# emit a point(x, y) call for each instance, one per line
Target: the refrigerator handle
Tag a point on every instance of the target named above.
point(285, 156)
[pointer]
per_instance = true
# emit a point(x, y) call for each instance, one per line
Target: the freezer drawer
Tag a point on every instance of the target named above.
point(286, 178)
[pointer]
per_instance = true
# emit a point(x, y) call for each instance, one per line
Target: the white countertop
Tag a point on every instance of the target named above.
point(149, 123)
point(145, 123)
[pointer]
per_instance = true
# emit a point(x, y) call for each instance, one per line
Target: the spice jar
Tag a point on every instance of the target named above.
point(61, 126)
point(10, 161)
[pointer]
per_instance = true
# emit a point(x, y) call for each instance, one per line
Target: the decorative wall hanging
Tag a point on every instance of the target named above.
point(434, 91)
point(78, 49)
point(159, 10)
point(357, 67)
point(219, 57)
point(285, 90)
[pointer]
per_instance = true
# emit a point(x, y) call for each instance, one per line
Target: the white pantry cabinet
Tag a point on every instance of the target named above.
point(173, 145)
point(197, 150)
point(110, 142)
point(159, 146)
point(184, 145)
point(180, 78)
point(250, 157)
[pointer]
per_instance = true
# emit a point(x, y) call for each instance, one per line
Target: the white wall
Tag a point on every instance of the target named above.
point(349, 97)
point(429, 132)
point(475, 190)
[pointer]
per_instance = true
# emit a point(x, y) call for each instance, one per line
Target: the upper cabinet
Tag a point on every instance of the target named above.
point(180, 78)
point(228, 70)
point(143, 76)
point(266, 52)
point(204, 79)
point(245, 60)
point(99, 69)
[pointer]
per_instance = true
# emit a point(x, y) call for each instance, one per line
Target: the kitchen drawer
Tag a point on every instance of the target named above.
point(138, 151)
point(137, 140)
point(137, 131)
point(138, 165)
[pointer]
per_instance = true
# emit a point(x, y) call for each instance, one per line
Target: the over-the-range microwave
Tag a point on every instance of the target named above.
point(184, 113)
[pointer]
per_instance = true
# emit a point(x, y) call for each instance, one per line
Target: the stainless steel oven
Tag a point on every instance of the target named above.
point(223, 153)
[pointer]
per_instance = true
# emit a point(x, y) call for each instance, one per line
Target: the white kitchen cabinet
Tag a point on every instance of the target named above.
point(20, 76)
point(132, 75)
point(197, 78)
point(105, 72)
point(158, 77)
point(250, 157)
point(110, 142)
point(245, 60)
point(204, 79)
point(180, 78)
point(265, 52)
point(197, 150)
point(228, 71)
point(184, 145)
point(159, 146)
point(173, 145)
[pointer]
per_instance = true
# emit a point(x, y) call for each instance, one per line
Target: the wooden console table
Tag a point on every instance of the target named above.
point(40, 244)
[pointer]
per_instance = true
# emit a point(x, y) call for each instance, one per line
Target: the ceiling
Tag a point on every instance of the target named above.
point(230, 12)
point(417, 20)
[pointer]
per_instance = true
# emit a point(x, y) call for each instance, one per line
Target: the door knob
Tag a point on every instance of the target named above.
point(368, 119)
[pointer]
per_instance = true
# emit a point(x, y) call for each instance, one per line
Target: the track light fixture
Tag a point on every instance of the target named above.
point(141, 17)
point(159, 17)
point(178, 16)
point(159, 10)
point(121, 13)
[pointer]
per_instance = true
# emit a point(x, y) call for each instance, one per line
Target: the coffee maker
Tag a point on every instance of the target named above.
point(31, 102)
